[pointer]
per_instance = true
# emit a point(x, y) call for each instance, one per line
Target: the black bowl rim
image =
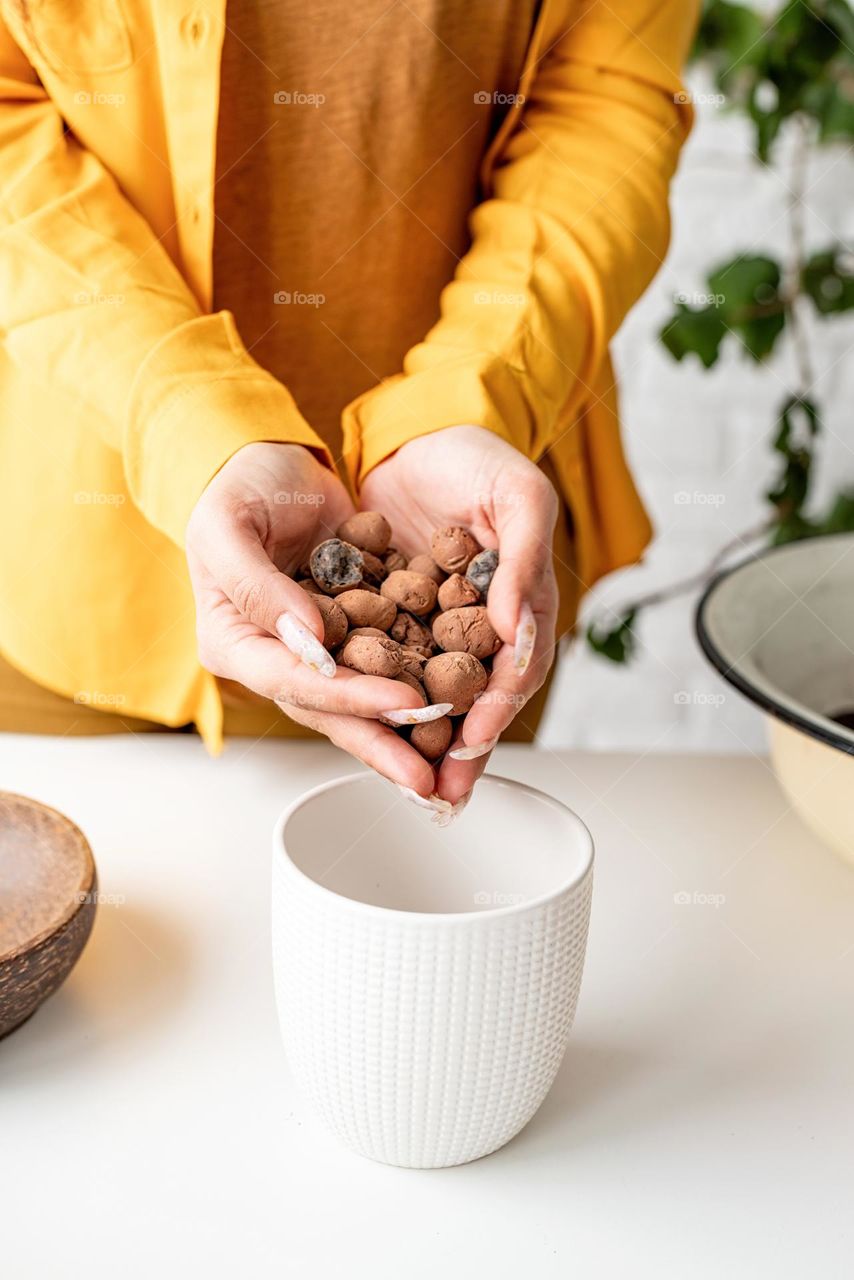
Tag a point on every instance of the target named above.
point(804, 722)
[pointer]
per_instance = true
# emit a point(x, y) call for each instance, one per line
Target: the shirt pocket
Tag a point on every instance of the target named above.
point(70, 37)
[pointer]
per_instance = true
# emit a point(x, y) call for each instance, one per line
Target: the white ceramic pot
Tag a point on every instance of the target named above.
point(426, 977)
point(780, 628)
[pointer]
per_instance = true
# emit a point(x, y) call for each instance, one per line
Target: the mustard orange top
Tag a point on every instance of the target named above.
point(493, 185)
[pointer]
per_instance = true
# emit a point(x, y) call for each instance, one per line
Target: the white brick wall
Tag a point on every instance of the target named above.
point(706, 432)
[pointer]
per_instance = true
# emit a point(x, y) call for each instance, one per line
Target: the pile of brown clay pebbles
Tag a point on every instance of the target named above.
point(421, 621)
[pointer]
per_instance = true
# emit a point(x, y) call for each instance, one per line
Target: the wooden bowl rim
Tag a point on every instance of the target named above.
point(86, 882)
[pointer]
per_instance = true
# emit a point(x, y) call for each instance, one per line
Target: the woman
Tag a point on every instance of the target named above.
point(252, 254)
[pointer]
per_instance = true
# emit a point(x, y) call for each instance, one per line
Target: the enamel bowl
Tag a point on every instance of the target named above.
point(780, 628)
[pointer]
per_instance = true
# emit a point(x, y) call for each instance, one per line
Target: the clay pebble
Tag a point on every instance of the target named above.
point(453, 547)
point(374, 570)
point(394, 559)
point(433, 738)
point(407, 629)
point(406, 677)
point(368, 530)
point(365, 631)
point(336, 565)
point(466, 630)
point(456, 592)
point(481, 570)
point(457, 678)
point(414, 592)
point(334, 620)
point(366, 609)
point(427, 565)
point(372, 655)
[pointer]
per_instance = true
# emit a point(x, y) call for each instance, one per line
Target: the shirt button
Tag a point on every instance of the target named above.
point(194, 27)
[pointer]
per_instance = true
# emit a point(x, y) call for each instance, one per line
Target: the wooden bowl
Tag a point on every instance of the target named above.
point(48, 892)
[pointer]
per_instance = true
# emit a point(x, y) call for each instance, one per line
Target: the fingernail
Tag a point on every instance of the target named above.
point(306, 646)
point(445, 818)
point(417, 715)
point(526, 638)
point(435, 803)
point(472, 753)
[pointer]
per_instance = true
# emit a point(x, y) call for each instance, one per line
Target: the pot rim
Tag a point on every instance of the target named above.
point(435, 917)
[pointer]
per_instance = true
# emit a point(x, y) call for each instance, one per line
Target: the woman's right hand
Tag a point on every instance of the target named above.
point(255, 523)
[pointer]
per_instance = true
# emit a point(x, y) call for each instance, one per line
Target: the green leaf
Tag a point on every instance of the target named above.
point(840, 15)
point(793, 529)
point(798, 425)
point(746, 282)
point(792, 487)
point(694, 332)
point(788, 425)
point(797, 60)
point(767, 120)
point(746, 301)
point(732, 30)
point(760, 335)
point(616, 644)
point(752, 306)
point(832, 105)
point(840, 517)
point(828, 279)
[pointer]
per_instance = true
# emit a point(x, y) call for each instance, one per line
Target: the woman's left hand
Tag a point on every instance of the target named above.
point(469, 476)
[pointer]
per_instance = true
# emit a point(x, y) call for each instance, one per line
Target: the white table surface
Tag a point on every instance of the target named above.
point(701, 1125)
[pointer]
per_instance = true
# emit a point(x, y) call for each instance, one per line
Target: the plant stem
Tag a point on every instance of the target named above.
point(797, 236)
point(703, 576)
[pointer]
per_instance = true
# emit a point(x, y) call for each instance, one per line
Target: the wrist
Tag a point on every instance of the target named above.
point(198, 399)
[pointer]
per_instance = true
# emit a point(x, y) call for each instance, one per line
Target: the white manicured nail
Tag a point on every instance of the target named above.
point(526, 638)
point(472, 753)
point(417, 715)
point(445, 818)
point(435, 803)
point(297, 637)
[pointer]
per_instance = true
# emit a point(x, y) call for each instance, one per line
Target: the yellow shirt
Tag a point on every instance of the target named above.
point(122, 392)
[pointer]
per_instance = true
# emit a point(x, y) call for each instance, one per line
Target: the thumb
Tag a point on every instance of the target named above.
point(524, 558)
